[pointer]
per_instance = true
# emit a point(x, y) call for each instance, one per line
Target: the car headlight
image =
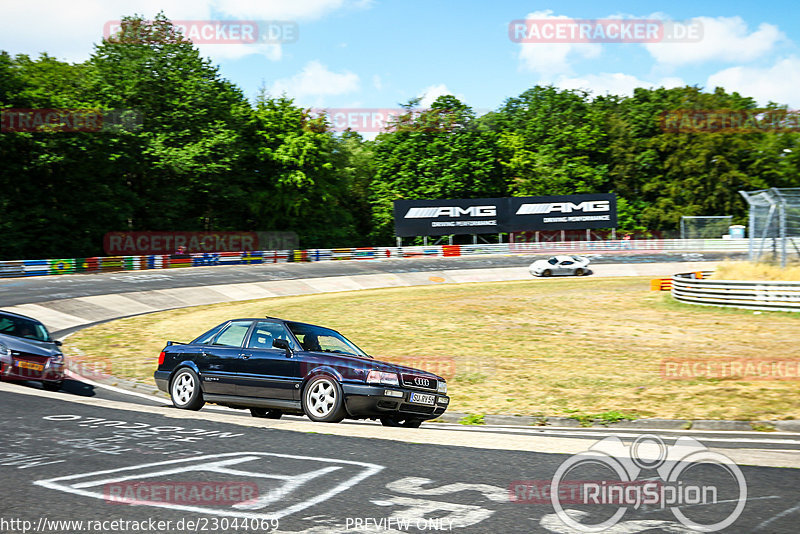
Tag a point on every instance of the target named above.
point(442, 387)
point(57, 358)
point(4, 351)
point(380, 377)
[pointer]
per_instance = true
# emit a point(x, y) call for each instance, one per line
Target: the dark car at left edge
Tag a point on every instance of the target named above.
point(27, 352)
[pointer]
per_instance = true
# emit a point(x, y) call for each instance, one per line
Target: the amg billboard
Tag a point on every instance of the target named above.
point(511, 214)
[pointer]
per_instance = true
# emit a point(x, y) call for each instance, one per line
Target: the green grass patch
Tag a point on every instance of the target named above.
point(504, 346)
point(472, 419)
point(605, 418)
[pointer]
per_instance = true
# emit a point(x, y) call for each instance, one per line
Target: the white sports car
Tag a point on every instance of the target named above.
point(560, 265)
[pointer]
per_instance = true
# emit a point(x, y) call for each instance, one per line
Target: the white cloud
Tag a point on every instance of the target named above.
point(777, 83)
point(273, 52)
point(431, 93)
point(68, 30)
point(316, 80)
point(551, 59)
point(283, 9)
point(616, 83)
point(723, 39)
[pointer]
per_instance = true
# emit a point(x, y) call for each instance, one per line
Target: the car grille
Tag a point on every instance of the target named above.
point(419, 382)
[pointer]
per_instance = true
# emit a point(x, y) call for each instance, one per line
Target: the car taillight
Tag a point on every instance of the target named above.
point(161, 358)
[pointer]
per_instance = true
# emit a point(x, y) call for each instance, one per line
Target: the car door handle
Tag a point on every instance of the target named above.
point(245, 356)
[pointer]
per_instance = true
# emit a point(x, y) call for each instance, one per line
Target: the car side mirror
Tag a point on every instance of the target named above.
point(282, 344)
point(58, 343)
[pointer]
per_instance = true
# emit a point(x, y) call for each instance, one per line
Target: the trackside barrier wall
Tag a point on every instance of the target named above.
point(18, 268)
point(752, 295)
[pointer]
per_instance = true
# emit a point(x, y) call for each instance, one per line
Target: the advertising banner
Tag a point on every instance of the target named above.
point(510, 214)
point(445, 217)
point(566, 212)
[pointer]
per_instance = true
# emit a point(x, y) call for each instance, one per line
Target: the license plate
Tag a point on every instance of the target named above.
point(421, 398)
point(30, 365)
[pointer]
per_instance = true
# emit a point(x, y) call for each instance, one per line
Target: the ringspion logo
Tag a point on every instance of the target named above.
point(703, 489)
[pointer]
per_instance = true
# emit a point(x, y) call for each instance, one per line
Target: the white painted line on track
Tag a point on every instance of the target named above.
point(583, 433)
point(79, 378)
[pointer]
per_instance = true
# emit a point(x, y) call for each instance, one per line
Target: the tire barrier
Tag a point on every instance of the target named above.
point(19, 268)
point(751, 295)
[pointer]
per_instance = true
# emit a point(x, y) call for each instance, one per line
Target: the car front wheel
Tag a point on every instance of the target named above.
point(323, 400)
point(185, 390)
point(547, 272)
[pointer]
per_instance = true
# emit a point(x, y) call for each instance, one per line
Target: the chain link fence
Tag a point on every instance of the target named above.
point(705, 227)
point(774, 224)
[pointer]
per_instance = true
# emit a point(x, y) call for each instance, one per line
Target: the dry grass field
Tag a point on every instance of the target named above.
point(574, 346)
point(742, 270)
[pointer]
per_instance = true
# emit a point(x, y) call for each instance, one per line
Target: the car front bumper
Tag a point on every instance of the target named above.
point(363, 401)
point(52, 372)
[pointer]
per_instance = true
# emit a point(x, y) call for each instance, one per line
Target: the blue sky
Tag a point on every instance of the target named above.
point(377, 54)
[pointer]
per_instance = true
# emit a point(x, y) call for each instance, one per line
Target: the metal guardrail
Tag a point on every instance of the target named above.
point(751, 295)
point(19, 268)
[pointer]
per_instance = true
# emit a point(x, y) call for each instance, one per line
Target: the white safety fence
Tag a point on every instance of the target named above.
point(753, 295)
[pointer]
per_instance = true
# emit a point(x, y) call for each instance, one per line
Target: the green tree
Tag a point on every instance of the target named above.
point(443, 152)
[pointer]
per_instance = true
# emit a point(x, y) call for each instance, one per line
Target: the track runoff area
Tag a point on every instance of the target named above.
point(98, 458)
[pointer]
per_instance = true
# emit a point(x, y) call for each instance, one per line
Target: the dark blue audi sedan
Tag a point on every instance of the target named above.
point(272, 366)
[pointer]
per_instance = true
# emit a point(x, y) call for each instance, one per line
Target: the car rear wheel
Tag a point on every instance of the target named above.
point(396, 421)
point(265, 413)
point(185, 390)
point(579, 272)
point(547, 272)
point(323, 400)
point(52, 386)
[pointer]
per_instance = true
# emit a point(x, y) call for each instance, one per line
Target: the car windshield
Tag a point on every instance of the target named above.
point(318, 339)
point(23, 328)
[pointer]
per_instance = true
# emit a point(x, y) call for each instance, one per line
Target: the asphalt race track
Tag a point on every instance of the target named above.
point(45, 288)
point(68, 461)
point(76, 454)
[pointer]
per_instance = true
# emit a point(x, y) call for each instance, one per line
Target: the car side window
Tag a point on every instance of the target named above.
point(332, 344)
point(552, 261)
point(567, 262)
point(233, 334)
point(208, 336)
point(265, 332)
